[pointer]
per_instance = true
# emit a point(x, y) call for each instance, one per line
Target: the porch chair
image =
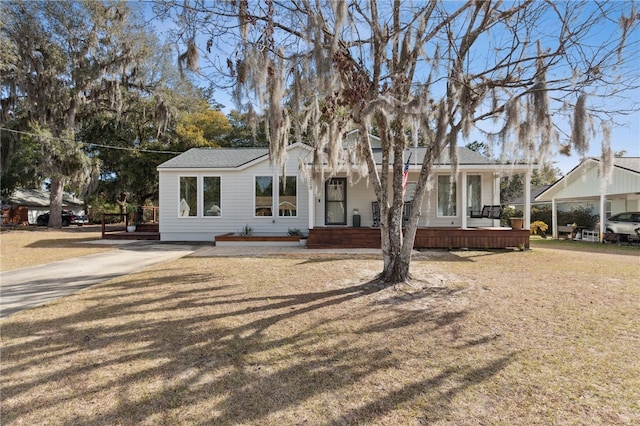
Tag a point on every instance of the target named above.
point(375, 209)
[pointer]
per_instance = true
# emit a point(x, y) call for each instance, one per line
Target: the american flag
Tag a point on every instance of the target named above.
point(405, 176)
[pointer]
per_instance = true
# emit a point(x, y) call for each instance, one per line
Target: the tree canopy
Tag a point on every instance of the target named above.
point(90, 101)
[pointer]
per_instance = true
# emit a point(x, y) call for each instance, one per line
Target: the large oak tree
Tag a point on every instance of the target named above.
point(69, 61)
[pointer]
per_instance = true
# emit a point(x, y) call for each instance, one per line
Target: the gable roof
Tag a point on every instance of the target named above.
point(628, 163)
point(216, 158)
point(627, 166)
point(39, 198)
point(233, 158)
point(466, 156)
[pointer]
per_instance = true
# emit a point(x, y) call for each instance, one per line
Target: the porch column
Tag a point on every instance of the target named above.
point(554, 218)
point(496, 194)
point(527, 199)
point(463, 196)
point(603, 199)
point(312, 205)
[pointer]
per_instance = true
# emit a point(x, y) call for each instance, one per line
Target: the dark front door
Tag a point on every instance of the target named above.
point(335, 209)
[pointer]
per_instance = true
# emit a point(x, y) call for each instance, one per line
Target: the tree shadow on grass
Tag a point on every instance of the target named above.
point(196, 348)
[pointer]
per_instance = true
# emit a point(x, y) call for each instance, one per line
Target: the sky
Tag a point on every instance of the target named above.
point(625, 133)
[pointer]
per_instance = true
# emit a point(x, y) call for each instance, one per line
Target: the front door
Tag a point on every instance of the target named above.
point(335, 208)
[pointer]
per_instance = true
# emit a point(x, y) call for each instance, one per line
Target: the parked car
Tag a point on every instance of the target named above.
point(624, 223)
point(68, 218)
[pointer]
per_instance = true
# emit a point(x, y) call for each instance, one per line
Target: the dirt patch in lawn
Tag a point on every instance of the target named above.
point(537, 337)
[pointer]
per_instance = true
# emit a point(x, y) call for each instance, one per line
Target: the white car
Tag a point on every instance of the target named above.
point(625, 223)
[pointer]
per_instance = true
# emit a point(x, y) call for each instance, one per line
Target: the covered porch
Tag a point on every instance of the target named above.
point(426, 238)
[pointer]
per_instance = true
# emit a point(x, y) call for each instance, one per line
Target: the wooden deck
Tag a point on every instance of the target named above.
point(426, 238)
point(146, 231)
point(235, 240)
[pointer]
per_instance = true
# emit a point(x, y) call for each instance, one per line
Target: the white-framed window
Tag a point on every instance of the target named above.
point(474, 193)
point(263, 196)
point(410, 192)
point(446, 196)
point(188, 199)
point(211, 196)
point(288, 196)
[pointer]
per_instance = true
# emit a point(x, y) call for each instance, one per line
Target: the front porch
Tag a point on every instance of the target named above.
point(426, 238)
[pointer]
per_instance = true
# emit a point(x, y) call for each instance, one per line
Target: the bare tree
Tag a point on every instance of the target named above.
point(529, 75)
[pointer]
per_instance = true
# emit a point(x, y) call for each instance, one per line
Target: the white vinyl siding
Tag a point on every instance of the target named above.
point(236, 199)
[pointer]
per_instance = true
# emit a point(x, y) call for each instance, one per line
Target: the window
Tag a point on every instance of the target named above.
point(188, 196)
point(211, 195)
point(474, 198)
point(446, 196)
point(264, 196)
point(336, 202)
point(287, 197)
point(410, 192)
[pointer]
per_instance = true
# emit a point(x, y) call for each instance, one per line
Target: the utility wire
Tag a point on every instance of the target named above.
point(123, 148)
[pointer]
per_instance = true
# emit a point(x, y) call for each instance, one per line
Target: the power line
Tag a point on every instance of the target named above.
point(122, 148)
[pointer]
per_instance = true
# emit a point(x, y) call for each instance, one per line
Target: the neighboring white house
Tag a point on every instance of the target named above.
point(619, 192)
point(27, 204)
point(206, 192)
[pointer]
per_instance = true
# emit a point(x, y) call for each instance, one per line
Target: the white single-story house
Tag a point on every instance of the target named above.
point(208, 192)
point(25, 205)
point(619, 192)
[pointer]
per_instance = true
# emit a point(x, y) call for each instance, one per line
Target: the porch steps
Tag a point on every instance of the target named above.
point(145, 231)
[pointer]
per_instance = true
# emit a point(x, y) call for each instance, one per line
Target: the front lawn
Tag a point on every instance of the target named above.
point(521, 338)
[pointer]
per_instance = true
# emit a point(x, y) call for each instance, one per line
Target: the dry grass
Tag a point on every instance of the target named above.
point(32, 246)
point(518, 338)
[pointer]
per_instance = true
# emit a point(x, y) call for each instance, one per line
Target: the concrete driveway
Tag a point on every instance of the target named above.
point(28, 287)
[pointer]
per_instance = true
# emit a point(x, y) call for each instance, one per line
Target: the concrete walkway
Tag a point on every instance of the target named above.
point(28, 287)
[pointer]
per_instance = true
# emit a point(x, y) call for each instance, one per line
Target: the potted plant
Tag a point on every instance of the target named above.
point(296, 232)
point(516, 220)
point(131, 224)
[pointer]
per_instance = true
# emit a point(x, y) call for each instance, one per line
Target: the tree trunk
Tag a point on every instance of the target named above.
point(396, 269)
point(396, 250)
point(55, 202)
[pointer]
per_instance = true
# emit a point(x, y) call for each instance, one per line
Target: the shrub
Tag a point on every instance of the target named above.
point(539, 227)
point(581, 216)
point(246, 231)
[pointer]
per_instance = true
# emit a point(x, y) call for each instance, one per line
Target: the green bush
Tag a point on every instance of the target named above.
point(581, 216)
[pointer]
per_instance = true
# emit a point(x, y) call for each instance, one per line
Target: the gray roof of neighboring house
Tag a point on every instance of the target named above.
point(229, 158)
point(629, 163)
point(534, 193)
point(39, 198)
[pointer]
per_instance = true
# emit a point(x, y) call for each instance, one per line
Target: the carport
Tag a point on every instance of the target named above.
point(614, 191)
